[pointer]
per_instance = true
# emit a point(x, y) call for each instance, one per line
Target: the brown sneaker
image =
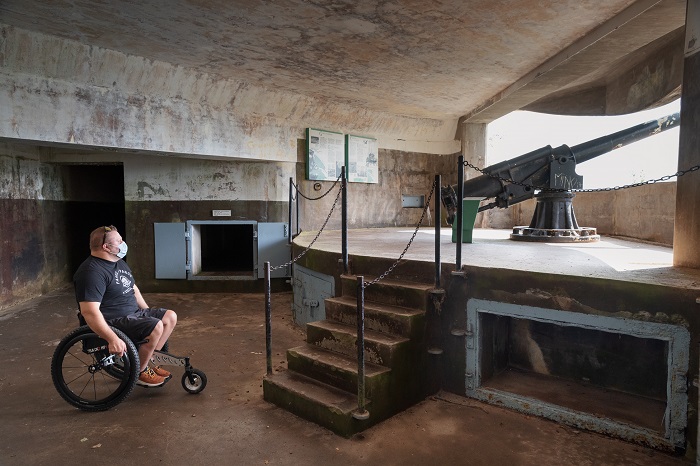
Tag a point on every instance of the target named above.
point(161, 372)
point(148, 378)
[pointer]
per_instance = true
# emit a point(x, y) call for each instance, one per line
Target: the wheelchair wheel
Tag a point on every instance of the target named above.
point(194, 381)
point(87, 376)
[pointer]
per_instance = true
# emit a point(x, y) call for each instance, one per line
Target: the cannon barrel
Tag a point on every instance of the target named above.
point(599, 146)
point(533, 169)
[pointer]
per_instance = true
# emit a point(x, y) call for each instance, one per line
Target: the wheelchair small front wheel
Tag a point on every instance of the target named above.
point(87, 376)
point(194, 381)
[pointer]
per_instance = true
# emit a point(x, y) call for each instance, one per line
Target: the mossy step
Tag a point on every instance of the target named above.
point(315, 401)
point(380, 348)
point(383, 318)
point(407, 294)
point(334, 369)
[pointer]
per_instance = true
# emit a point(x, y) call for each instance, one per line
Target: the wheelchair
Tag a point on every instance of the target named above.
point(88, 377)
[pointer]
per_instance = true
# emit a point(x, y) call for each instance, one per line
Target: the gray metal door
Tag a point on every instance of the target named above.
point(170, 250)
point(273, 247)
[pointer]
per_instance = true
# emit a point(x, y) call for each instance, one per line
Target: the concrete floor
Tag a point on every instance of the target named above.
point(230, 423)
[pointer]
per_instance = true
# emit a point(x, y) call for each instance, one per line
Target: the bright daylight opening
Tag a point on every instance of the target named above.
point(520, 132)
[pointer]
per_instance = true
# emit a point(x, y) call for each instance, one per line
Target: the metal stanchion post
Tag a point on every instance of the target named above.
point(344, 216)
point(361, 413)
point(460, 196)
point(268, 319)
point(438, 220)
point(297, 211)
point(291, 197)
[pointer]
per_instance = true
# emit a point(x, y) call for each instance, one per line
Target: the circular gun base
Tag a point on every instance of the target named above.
point(555, 235)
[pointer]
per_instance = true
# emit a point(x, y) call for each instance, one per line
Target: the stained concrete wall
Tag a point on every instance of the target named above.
point(380, 204)
point(33, 245)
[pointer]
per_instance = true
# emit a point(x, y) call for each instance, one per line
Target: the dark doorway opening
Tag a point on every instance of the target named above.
point(225, 249)
point(607, 374)
point(95, 196)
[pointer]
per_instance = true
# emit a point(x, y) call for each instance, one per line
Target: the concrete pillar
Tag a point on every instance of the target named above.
point(686, 237)
point(474, 147)
point(474, 137)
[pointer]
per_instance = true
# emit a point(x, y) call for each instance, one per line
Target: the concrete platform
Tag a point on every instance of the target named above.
point(229, 423)
point(610, 258)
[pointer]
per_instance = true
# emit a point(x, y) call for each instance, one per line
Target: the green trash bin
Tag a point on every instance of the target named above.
point(470, 207)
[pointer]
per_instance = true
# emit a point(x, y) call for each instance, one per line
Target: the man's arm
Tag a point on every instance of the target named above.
point(139, 298)
point(96, 321)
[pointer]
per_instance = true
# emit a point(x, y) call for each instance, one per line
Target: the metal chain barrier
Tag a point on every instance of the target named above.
point(322, 195)
point(593, 190)
point(335, 203)
point(393, 266)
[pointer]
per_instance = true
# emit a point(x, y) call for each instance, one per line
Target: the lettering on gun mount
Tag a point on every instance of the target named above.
point(563, 181)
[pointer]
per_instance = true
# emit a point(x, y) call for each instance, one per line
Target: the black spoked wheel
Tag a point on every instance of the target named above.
point(87, 376)
point(194, 381)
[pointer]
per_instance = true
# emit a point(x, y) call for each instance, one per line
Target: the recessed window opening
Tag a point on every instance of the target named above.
point(220, 250)
point(607, 374)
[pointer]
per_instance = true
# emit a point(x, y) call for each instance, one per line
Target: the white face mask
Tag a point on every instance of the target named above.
point(122, 250)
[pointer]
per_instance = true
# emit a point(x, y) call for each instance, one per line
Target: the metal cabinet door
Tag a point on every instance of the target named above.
point(170, 250)
point(310, 290)
point(273, 247)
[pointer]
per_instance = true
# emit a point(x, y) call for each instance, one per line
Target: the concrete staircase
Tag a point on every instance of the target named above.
point(320, 383)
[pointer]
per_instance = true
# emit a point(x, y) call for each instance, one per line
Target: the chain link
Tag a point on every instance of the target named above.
point(322, 195)
point(593, 190)
point(335, 203)
point(393, 266)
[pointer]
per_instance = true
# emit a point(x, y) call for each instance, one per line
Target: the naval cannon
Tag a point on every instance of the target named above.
point(549, 175)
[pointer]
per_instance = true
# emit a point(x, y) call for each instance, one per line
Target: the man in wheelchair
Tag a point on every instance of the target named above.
point(107, 295)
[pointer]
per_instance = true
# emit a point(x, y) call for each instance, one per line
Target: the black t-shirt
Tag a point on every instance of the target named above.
point(109, 283)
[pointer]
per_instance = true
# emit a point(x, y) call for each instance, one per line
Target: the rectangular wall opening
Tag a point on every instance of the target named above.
point(613, 375)
point(619, 376)
point(222, 249)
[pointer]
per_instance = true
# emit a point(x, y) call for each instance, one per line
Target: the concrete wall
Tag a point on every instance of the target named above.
point(377, 205)
point(51, 198)
point(33, 245)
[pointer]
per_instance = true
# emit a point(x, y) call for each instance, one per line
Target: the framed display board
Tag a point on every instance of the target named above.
point(361, 159)
point(325, 154)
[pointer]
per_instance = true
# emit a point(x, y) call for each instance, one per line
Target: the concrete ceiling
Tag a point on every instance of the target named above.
point(476, 59)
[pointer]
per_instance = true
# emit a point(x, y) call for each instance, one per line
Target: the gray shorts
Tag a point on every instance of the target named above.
point(140, 324)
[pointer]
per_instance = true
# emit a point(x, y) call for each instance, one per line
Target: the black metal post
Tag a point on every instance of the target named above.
point(344, 216)
point(297, 210)
point(291, 199)
point(438, 221)
point(460, 197)
point(361, 412)
point(268, 319)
